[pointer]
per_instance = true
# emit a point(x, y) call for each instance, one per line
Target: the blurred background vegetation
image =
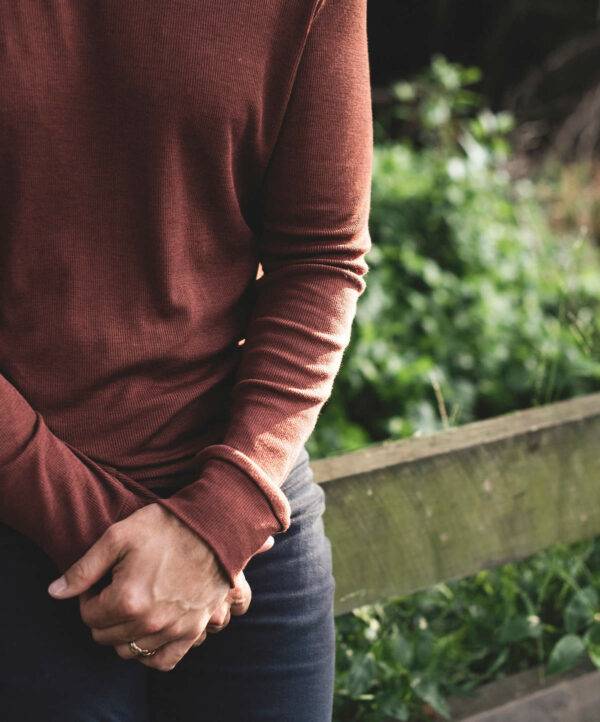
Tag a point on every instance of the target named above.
point(483, 297)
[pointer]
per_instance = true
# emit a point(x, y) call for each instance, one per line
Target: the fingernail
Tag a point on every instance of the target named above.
point(58, 585)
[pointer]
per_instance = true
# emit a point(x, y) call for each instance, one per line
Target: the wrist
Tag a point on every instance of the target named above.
point(167, 516)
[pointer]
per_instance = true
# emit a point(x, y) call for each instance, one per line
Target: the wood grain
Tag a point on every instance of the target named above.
point(404, 515)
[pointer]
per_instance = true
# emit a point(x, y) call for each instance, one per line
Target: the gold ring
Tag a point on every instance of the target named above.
point(138, 651)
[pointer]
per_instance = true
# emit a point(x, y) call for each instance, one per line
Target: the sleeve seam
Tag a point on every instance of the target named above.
point(316, 8)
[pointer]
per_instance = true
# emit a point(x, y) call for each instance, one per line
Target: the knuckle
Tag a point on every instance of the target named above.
point(179, 628)
point(152, 624)
point(238, 610)
point(131, 602)
point(237, 595)
point(219, 621)
point(164, 665)
point(122, 652)
point(200, 631)
point(114, 535)
point(200, 639)
point(219, 618)
point(216, 627)
point(86, 617)
point(241, 597)
point(97, 635)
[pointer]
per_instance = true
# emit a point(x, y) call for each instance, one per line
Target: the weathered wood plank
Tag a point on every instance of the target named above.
point(574, 700)
point(404, 515)
point(520, 686)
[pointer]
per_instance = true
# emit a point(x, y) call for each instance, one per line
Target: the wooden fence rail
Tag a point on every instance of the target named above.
point(407, 514)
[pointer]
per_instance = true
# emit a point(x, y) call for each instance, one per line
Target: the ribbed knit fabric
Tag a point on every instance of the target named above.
point(184, 204)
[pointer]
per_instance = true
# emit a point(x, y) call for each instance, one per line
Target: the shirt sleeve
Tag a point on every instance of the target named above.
point(51, 492)
point(313, 238)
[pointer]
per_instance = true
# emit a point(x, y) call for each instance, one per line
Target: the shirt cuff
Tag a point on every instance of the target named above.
point(230, 508)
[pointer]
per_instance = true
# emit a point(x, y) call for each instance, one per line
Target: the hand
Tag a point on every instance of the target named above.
point(166, 584)
point(237, 602)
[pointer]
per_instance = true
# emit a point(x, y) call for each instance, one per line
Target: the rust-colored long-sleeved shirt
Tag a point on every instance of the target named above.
point(155, 159)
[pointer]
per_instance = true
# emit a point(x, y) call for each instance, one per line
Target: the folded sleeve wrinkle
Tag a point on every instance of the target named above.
point(312, 240)
point(51, 492)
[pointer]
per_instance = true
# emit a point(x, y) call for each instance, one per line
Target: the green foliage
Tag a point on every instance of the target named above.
point(403, 659)
point(434, 107)
point(475, 306)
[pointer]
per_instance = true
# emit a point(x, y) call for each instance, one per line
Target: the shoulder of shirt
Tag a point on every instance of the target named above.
point(317, 5)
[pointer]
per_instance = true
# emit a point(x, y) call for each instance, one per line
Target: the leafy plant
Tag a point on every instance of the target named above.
point(477, 303)
point(405, 658)
point(474, 305)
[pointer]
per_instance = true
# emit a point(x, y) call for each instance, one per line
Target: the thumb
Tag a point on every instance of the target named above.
point(87, 570)
point(266, 546)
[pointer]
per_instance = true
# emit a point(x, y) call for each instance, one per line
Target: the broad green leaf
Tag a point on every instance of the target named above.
point(395, 708)
point(400, 648)
point(581, 609)
point(429, 692)
point(567, 652)
point(361, 674)
point(517, 628)
point(592, 643)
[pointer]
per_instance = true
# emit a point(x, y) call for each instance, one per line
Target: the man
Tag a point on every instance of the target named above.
point(156, 391)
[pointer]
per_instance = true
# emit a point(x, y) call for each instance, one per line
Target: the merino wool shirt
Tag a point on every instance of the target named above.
point(184, 204)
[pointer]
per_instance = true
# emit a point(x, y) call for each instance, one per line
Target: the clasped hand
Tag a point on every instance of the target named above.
point(167, 589)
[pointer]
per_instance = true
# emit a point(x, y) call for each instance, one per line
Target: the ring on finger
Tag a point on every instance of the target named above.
point(139, 651)
point(150, 642)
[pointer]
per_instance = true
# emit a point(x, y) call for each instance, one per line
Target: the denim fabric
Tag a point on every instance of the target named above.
point(276, 662)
